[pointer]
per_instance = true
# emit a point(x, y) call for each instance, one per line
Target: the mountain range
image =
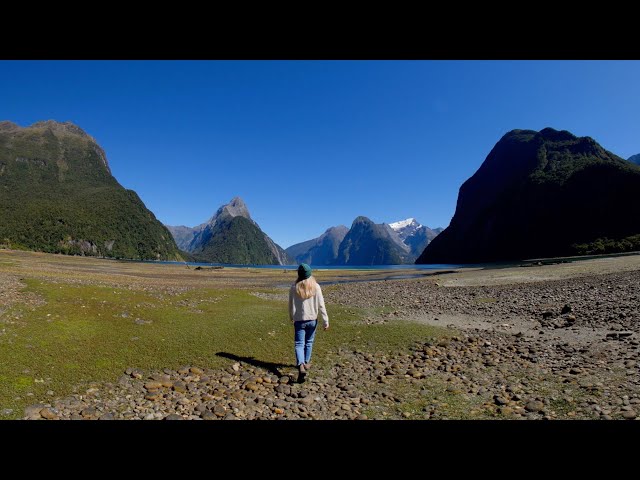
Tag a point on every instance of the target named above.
point(365, 243)
point(230, 236)
point(57, 195)
point(542, 194)
point(368, 243)
point(537, 194)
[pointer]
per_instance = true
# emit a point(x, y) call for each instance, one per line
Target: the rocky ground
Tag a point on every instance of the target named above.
point(552, 349)
point(550, 342)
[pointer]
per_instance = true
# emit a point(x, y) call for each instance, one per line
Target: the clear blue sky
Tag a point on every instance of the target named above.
point(312, 144)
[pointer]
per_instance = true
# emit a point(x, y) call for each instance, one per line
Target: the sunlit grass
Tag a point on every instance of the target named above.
point(88, 333)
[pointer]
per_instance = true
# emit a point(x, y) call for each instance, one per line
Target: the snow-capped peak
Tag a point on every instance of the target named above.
point(402, 223)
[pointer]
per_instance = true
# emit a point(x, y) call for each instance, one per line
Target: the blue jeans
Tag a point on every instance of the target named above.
point(305, 332)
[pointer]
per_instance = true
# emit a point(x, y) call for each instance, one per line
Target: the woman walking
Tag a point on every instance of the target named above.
point(305, 302)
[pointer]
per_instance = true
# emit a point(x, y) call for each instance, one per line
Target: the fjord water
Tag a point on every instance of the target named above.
point(431, 266)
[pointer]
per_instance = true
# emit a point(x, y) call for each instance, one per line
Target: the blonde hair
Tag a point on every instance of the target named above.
point(306, 288)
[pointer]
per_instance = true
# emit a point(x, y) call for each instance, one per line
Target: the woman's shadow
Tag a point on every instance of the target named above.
point(269, 366)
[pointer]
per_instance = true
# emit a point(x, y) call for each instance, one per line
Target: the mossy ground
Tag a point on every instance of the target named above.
point(90, 333)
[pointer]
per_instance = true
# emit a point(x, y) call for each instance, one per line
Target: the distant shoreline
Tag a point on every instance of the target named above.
point(485, 266)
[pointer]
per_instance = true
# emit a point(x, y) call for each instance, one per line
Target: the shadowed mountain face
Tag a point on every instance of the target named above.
point(635, 159)
point(230, 236)
point(367, 243)
point(57, 195)
point(182, 235)
point(540, 194)
point(319, 251)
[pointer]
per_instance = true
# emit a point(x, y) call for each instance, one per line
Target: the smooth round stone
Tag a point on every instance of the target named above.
point(173, 416)
point(534, 406)
point(180, 387)
point(49, 414)
point(207, 415)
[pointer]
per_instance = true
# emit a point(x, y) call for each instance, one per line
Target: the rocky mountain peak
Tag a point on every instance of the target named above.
point(404, 223)
point(237, 208)
point(6, 125)
point(61, 127)
point(60, 132)
point(361, 220)
point(230, 236)
point(554, 135)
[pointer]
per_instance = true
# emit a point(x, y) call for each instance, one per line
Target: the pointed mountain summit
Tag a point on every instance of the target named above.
point(202, 233)
point(635, 159)
point(57, 195)
point(319, 251)
point(542, 194)
point(235, 208)
point(230, 236)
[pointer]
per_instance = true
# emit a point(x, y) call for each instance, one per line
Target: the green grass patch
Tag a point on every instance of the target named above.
point(21, 383)
point(383, 310)
point(87, 333)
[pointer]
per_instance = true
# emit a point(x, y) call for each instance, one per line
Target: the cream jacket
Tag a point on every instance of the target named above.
point(308, 309)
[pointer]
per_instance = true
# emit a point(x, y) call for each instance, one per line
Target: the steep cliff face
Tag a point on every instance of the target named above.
point(237, 240)
point(57, 195)
point(223, 239)
point(182, 235)
point(319, 251)
point(540, 194)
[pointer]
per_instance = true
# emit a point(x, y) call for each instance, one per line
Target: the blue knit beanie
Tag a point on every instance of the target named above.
point(304, 272)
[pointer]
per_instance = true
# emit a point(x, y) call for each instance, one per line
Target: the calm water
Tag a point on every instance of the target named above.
point(434, 266)
point(384, 279)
